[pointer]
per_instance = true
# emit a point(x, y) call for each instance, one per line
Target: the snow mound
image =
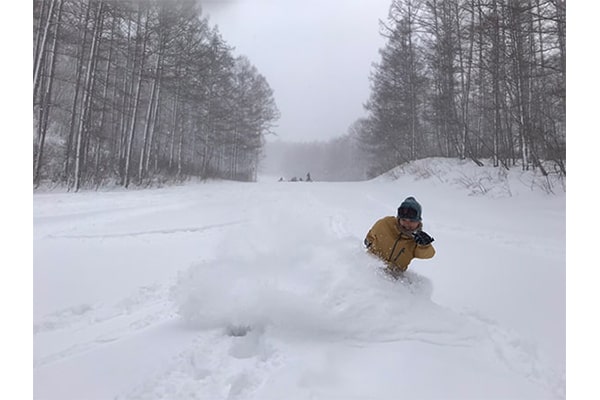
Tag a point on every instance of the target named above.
point(479, 180)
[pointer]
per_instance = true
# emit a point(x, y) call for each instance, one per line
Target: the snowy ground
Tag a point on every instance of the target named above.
point(226, 290)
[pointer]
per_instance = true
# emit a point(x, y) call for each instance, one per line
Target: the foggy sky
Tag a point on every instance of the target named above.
point(315, 54)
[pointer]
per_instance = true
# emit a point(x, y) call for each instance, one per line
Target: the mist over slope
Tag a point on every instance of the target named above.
point(331, 161)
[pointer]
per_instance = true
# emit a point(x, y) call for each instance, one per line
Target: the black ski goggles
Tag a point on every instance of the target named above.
point(408, 213)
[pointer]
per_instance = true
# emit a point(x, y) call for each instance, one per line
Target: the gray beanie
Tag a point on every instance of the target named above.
point(410, 209)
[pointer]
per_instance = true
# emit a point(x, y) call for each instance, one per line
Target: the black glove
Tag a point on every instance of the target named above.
point(422, 238)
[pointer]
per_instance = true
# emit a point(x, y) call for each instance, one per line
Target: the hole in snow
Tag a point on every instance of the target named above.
point(238, 330)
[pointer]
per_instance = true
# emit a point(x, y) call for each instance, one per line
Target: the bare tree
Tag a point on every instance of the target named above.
point(89, 82)
point(45, 99)
point(492, 83)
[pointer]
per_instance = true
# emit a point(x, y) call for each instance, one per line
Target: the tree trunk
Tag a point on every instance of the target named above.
point(47, 98)
point(465, 81)
point(150, 117)
point(88, 88)
point(103, 134)
point(136, 103)
point(174, 124)
point(80, 63)
point(154, 122)
point(180, 154)
point(128, 97)
point(37, 66)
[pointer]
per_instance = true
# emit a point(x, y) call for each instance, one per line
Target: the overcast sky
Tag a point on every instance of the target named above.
point(315, 54)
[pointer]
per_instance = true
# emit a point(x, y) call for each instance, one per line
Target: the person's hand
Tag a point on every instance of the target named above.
point(422, 238)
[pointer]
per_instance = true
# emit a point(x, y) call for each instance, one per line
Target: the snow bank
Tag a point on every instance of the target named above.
point(480, 180)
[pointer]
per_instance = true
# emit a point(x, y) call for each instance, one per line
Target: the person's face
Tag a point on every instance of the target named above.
point(408, 224)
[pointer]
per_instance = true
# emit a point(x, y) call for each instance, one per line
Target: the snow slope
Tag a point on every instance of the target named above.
point(226, 290)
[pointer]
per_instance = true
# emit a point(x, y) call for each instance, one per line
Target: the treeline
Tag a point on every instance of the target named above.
point(469, 79)
point(130, 92)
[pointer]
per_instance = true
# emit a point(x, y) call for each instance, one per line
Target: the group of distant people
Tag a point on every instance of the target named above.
point(296, 179)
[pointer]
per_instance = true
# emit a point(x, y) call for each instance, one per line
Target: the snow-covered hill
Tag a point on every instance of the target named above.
point(263, 290)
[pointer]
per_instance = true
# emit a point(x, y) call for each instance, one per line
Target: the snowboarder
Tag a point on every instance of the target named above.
point(397, 240)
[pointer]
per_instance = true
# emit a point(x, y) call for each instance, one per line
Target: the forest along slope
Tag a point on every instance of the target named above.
point(255, 291)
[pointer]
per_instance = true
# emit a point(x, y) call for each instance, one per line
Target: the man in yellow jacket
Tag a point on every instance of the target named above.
point(397, 240)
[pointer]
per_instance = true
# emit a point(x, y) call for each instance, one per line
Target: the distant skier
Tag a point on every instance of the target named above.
point(397, 240)
point(308, 179)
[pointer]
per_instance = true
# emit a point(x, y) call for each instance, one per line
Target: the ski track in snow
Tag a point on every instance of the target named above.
point(194, 229)
point(98, 325)
point(231, 360)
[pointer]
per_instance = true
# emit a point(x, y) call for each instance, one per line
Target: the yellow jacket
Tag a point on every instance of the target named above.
point(388, 241)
